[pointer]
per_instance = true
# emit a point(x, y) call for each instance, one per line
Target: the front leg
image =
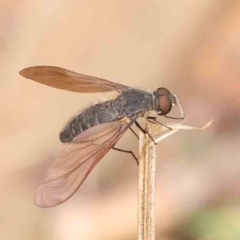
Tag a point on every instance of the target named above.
point(144, 131)
point(154, 121)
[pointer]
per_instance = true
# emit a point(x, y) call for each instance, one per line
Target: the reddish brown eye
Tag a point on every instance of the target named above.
point(163, 91)
point(165, 105)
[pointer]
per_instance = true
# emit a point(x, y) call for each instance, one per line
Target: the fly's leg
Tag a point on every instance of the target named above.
point(126, 151)
point(151, 120)
point(134, 133)
point(144, 131)
point(154, 120)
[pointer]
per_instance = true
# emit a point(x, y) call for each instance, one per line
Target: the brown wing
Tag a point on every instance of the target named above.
point(64, 79)
point(76, 161)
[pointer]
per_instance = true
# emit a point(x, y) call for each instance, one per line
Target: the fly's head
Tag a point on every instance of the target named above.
point(163, 101)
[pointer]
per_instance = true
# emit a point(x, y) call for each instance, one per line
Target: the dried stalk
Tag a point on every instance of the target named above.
point(147, 170)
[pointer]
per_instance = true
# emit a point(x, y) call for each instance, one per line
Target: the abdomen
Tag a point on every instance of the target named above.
point(100, 113)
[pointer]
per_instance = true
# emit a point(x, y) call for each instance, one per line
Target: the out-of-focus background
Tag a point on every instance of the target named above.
point(190, 47)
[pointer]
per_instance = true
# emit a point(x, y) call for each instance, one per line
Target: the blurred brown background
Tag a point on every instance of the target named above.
point(190, 47)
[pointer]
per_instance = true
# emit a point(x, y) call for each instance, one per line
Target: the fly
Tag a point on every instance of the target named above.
point(96, 130)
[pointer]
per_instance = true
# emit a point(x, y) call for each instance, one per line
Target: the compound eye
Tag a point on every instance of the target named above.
point(165, 105)
point(163, 91)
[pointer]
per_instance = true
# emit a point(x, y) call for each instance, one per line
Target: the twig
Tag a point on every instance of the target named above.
point(147, 170)
point(146, 205)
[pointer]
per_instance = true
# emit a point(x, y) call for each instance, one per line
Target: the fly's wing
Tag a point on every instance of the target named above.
point(67, 80)
point(77, 160)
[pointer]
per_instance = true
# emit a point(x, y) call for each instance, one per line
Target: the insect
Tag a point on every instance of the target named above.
point(96, 130)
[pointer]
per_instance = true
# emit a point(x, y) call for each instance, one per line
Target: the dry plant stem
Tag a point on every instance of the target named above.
point(147, 170)
point(146, 198)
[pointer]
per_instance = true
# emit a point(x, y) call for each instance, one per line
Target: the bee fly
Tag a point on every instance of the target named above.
point(96, 130)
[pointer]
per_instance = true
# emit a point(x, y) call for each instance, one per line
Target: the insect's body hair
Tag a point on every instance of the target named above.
point(132, 103)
